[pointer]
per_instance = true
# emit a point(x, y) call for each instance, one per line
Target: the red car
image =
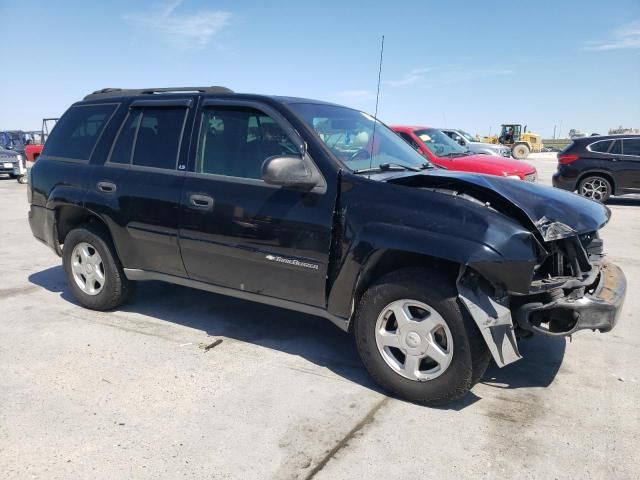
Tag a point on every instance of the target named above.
point(446, 153)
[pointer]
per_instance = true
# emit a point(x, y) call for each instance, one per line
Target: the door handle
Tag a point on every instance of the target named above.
point(106, 187)
point(614, 159)
point(202, 202)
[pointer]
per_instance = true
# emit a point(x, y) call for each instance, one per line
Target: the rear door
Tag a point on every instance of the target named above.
point(631, 158)
point(137, 190)
point(239, 232)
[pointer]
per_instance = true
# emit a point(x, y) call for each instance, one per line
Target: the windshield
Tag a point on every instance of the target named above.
point(349, 135)
point(439, 144)
point(468, 136)
point(16, 138)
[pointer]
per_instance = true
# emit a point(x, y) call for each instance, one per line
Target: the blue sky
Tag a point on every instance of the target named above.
point(471, 65)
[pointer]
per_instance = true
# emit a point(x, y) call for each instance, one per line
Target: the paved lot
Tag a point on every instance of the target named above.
point(132, 393)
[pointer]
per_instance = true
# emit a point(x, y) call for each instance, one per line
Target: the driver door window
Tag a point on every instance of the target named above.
point(235, 142)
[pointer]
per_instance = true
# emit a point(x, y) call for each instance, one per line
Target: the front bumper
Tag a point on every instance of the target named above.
point(597, 310)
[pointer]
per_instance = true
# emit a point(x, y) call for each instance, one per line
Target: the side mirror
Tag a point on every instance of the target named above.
point(289, 172)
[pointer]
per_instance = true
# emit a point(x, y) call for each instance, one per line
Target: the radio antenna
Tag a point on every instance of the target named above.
point(375, 115)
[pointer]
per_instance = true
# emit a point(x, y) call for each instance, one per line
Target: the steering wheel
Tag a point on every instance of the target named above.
point(438, 148)
point(362, 154)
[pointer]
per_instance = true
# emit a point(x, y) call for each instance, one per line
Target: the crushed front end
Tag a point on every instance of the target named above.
point(573, 289)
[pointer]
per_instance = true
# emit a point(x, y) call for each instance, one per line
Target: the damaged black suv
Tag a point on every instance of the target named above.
point(321, 209)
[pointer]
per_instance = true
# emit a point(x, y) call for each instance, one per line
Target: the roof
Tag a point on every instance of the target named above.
point(214, 90)
point(409, 127)
point(605, 137)
point(131, 92)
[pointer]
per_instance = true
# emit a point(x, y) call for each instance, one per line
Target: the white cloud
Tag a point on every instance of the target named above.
point(624, 37)
point(187, 31)
point(410, 78)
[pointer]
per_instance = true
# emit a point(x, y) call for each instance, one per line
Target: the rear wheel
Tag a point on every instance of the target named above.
point(416, 340)
point(22, 179)
point(595, 187)
point(520, 151)
point(93, 270)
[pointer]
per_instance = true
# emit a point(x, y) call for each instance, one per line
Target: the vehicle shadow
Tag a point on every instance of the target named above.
point(312, 338)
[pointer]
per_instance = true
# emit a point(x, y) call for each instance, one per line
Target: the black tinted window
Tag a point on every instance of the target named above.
point(123, 147)
point(158, 137)
point(601, 147)
point(76, 133)
point(236, 141)
point(631, 146)
point(617, 148)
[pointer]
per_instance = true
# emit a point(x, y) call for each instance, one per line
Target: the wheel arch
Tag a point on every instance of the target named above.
point(69, 217)
point(597, 173)
point(381, 248)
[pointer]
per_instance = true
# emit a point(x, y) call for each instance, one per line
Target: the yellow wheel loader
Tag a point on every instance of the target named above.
point(521, 141)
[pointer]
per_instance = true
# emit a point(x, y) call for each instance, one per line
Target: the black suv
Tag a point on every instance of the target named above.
point(598, 167)
point(321, 209)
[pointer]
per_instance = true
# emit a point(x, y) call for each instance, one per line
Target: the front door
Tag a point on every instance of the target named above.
point(239, 232)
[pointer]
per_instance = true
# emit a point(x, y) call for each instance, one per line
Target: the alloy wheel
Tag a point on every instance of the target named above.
point(595, 188)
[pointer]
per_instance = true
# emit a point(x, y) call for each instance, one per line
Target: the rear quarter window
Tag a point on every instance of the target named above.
point(76, 133)
point(601, 147)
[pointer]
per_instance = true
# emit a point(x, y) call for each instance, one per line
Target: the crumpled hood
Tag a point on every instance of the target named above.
point(553, 212)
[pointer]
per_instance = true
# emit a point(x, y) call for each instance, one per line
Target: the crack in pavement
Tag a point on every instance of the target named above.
point(368, 418)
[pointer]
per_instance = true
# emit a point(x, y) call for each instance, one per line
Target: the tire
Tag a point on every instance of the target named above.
point(467, 353)
point(105, 285)
point(520, 151)
point(22, 179)
point(596, 188)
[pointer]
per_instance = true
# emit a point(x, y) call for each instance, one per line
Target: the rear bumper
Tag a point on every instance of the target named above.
point(564, 183)
point(598, 310)
point(43, 226)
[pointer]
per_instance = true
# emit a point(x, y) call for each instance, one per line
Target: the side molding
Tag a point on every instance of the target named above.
point(142, 275)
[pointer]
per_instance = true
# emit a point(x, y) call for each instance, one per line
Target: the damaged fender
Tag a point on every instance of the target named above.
point(493, 319)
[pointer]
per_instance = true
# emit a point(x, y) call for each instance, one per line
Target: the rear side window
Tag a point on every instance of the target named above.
point(150, 137)
point(76, 133)
point(631, 146)
point(601, 147)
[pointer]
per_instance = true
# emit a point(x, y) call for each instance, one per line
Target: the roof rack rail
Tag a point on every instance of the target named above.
point(126, 92)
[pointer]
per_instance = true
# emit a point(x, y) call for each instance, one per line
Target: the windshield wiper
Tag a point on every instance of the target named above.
point(383, 167)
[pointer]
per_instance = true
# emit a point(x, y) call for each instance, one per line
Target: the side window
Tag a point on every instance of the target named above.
point(123, 147)
point(235, 142)
point(600, 147)
point(77, 132)
point(617, 148)
point(158, 137)
point(631, 146)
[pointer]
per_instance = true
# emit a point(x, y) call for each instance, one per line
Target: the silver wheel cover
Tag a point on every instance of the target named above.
point(87, 268)
point(414, 340)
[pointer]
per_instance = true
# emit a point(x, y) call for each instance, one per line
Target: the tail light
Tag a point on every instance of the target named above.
point(565, 158)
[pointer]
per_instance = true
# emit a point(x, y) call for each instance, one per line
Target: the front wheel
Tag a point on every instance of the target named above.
point(596, 188)
point(520, 151)
point(416, 340)
point(22, 179)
